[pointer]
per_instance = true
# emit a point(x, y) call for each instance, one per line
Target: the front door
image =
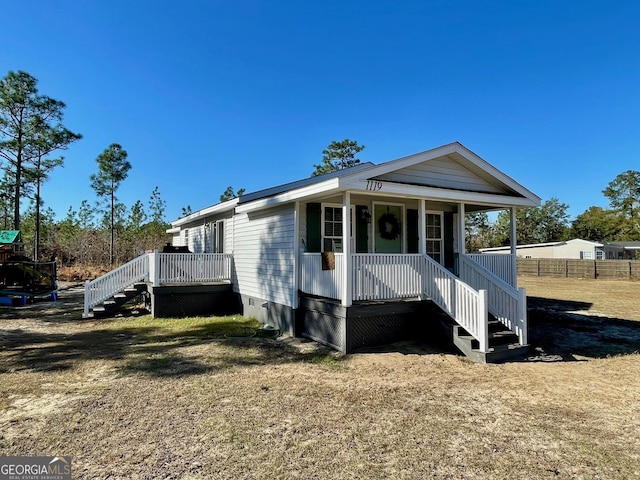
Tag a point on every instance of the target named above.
point(388, 228)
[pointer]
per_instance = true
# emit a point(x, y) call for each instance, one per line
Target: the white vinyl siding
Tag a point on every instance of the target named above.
point(228, 235)
point(263, 255)
point(443, 172)
point(196, 239)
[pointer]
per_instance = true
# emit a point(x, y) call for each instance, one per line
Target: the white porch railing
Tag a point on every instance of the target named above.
point(158, 269)
point(104, 287)
point(503, 266)
point(383, 276)
point(324, 283)
point(392, 276)
point(506, 303)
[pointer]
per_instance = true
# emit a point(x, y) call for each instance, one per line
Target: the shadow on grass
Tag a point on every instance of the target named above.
point(155, 349)
point(565, 329)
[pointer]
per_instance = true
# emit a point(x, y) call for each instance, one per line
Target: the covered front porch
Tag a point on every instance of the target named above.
point(397, 249)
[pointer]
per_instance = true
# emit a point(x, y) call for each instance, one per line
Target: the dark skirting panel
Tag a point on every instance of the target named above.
point(362, 325)
point(193, 300)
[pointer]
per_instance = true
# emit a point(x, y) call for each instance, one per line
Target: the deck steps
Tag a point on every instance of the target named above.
point(503, 343)
point(113, 304)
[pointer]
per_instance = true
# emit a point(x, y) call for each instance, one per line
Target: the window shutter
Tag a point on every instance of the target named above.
point(362, 237)
point(449, 257)
point(314, 231)
point(412, 231)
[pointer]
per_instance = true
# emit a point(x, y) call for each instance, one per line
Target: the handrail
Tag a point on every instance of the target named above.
point(505, 302)
point(464, 304)
point(104, 287)
point(502, 266)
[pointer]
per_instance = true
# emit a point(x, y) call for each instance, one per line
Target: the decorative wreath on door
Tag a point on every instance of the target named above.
point(389, 226)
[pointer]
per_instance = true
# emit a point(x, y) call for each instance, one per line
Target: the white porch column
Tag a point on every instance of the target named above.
point(347, 273)
point(296, 255)
point(462, 240)
point(513, 243)
point(422, 240)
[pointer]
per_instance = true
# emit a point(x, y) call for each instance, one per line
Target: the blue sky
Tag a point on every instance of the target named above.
point(206, 94)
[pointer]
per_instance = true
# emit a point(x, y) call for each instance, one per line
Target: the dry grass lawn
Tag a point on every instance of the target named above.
point(135, 397)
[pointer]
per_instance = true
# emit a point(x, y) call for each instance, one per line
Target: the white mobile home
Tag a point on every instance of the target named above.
point(352, 257)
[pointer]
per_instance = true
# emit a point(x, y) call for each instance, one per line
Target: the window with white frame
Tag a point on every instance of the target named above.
point(435, 236)
point(332, 228)
point(217, 237)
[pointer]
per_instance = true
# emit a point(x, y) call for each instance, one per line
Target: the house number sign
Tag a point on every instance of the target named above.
point(374, 185)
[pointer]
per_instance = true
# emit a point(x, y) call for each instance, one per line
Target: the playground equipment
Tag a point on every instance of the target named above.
point(24, 278)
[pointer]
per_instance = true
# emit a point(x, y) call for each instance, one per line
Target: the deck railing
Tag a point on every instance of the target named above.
point(104, 287)
point(189, 267)
point(158, 269)
point(506, 303)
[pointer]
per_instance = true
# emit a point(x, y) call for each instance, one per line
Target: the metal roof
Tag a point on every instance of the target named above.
point(305, 182)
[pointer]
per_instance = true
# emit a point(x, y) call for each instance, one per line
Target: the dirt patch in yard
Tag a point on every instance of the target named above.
point(140, 398)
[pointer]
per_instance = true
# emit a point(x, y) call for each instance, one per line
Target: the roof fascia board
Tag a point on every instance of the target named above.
point(217, 208)
point(292, 195)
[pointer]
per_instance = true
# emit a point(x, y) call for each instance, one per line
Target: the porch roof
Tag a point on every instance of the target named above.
point(450, 173)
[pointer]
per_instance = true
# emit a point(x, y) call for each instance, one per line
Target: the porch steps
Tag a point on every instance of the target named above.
point(110, 306)
point(503, 343)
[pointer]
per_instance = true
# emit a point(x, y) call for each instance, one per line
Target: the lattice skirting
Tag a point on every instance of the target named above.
point(361, 326)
